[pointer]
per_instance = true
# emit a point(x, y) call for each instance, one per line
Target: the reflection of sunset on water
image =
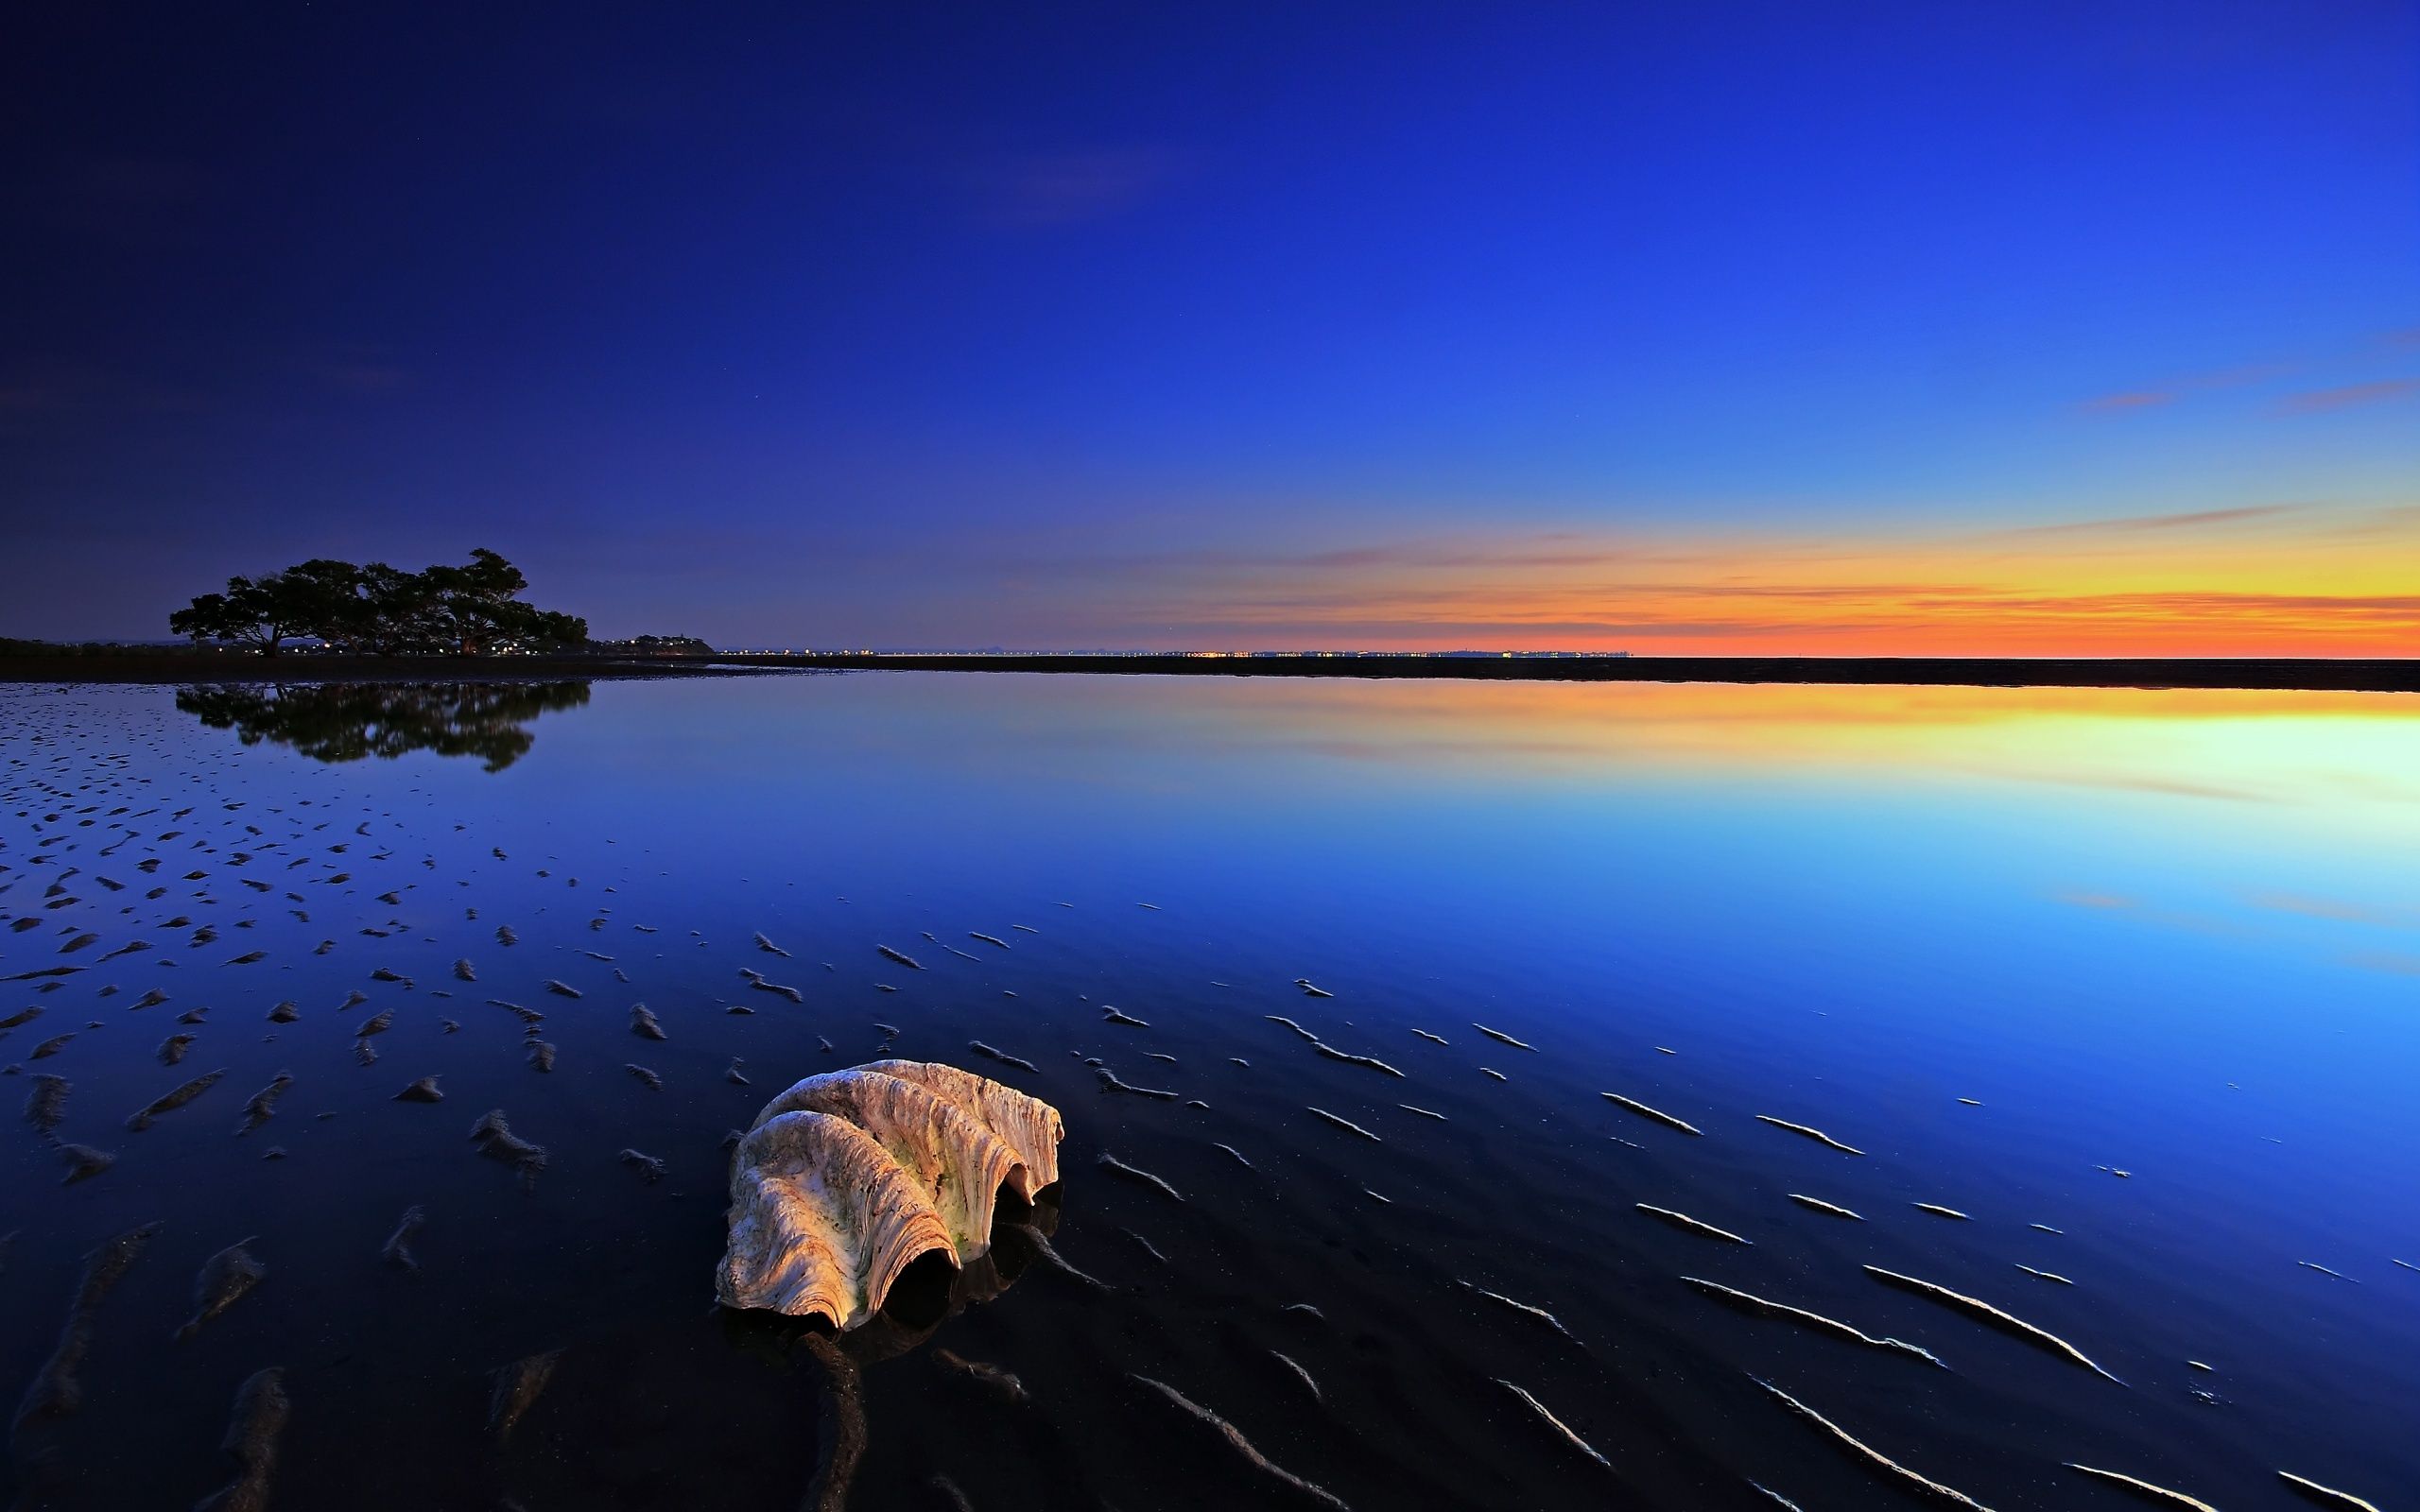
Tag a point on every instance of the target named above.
point(2305, 747)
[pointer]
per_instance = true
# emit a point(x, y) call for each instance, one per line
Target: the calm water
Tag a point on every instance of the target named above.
point(2174, 935)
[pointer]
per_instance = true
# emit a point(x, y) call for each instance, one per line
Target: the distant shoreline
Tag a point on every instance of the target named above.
point(2280, 673)
point(2317, 675)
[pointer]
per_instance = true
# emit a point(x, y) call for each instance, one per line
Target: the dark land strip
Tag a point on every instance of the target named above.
point(2380, 675)
point(297, 667)
point(2317, 675)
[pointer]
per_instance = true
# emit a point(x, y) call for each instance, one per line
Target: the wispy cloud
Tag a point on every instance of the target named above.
point(1538, 552)
point(1066, 188)
point(2342, 357)
point(2393, 962)
point(1525, 552)
point(2186, 604)
point(2191, 520)
point(2173, 390)
point(2095, 900)
point(47, 389)
point(357, 370)
point(2323, 401)
point(2132, 400)
point(2136, 782)
point(1888, 601)
point(2332, 908)
point(120, 198)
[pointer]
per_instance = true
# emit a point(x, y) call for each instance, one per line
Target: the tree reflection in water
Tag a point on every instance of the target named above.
point(347, 721)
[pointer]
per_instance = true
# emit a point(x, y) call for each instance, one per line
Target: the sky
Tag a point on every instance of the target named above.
point(1979, 329)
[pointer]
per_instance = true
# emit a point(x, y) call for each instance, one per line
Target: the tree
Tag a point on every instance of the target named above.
point(665, 645)
point(396, 611)
point(335, 597)
point(472, 606)
point(209, 617)
point(551, 630)
point(383, 610)
point(259, 612)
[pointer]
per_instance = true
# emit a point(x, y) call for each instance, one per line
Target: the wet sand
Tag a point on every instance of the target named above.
point(1347, 1257)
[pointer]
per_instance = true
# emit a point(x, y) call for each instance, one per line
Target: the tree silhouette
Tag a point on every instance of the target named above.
point(382, 610)
point(261, 612)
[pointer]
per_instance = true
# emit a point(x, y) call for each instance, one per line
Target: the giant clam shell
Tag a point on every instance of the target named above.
point(848, 1177)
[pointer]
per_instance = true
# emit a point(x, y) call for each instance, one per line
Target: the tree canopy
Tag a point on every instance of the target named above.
point(382, 610)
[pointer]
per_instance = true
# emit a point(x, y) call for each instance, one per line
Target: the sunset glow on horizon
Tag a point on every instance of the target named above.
point(2289, 580)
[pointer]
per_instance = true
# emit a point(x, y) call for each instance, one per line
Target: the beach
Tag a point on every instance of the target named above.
point(1445, 1110)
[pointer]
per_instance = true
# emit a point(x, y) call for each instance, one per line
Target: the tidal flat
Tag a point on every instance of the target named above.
point(1486, 1095)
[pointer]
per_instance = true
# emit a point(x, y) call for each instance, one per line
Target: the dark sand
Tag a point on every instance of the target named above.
point(1489, 1320)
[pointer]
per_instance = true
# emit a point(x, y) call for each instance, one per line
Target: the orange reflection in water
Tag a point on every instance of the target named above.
point(2268, 746)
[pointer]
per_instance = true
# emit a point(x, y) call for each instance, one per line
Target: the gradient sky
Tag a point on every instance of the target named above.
point(2027, 328)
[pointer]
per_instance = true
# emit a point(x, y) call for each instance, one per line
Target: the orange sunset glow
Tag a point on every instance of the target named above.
point(2284, 580)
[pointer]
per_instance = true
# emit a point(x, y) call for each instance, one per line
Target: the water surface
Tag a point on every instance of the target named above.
point(2006, 943)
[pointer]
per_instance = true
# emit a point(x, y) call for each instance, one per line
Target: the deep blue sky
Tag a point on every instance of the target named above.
point(1122, 325)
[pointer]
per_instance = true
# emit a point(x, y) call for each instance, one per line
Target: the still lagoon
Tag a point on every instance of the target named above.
point(2121, 987)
